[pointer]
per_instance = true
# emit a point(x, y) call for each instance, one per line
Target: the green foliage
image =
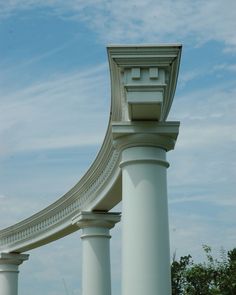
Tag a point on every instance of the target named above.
point(213, 277)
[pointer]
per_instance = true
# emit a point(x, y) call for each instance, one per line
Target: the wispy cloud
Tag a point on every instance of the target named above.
point(67, 110)
point(189, 231)
point(220, 199)
point(225, 67)
point(53, 113)
point(207, 114)
point(53, 264)
point(203, 170)
point(162, 21)
point(188, 76)
point(13, 211)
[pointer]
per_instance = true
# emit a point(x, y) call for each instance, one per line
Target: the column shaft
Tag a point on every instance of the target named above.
point(8, 279)
point(9, 272)
point(96, 261)
point(146, 258)
point(96, 270)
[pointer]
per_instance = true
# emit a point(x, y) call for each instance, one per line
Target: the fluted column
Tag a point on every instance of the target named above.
point(145, 230)
point(96, 271)
point(9, 264)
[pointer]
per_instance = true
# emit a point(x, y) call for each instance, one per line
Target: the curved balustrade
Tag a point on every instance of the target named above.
point(143, 81)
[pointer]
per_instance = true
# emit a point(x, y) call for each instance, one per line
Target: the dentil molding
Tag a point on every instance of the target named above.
point(143, 82)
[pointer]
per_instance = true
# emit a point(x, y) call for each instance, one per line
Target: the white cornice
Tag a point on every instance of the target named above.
point(122, 59)
point(96, 219)
point(100, 187)
point(130, 134)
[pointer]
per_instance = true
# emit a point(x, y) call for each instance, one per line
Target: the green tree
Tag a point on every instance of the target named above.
point(212, 277)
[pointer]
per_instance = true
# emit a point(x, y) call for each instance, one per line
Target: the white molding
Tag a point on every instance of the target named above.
point(100, 187)
point(13, 258)
point(96, 219)
point(123, 59)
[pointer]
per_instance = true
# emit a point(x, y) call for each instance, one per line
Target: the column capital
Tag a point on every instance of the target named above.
point(96, 219)
point(156, 134)
point(13, 258)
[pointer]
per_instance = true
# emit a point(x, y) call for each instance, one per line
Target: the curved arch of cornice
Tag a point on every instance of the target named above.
point(100, 188)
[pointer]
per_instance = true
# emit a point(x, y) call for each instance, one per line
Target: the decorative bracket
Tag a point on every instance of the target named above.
point(144, 79)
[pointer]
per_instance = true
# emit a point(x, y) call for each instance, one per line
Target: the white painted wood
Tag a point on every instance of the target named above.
point(145, 245)
point(145, 94)
point(9, 264)
point(143, 82)
point(96, 270)
point(145, 242)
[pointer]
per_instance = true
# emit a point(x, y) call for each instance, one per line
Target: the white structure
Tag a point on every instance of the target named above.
point(96, 251)
point(9, 272)
point(131, 166)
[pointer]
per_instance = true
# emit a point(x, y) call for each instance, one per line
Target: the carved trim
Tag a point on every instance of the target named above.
point(55, 221)
point(73, 202)
point(159, 162)
point(96, 219)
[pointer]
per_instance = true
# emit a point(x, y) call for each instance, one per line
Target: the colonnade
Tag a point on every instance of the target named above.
point(145, 233)
point(143, 82)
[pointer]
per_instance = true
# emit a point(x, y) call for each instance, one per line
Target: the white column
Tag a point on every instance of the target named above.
point(9, 272)
point(96, 271)
point(143, 82)
point(145, 229)
point(146, 257)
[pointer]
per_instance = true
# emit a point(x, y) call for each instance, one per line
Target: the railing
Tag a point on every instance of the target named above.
point(132, 68)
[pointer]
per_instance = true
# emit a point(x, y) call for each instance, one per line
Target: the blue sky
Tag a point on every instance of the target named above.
point(54, 106)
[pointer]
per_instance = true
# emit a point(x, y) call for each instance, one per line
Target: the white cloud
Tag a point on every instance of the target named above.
point(115, 21)
point(203, 168)
point(63, 111)
point(206, 114)
point(187, 76)
point(226, 67)
point(57, 112)
point(14, 209)
point(189, 231)
point(213, 199)
point(52, 264)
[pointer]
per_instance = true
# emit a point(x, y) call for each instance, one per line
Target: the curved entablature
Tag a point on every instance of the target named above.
point(143, 81)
